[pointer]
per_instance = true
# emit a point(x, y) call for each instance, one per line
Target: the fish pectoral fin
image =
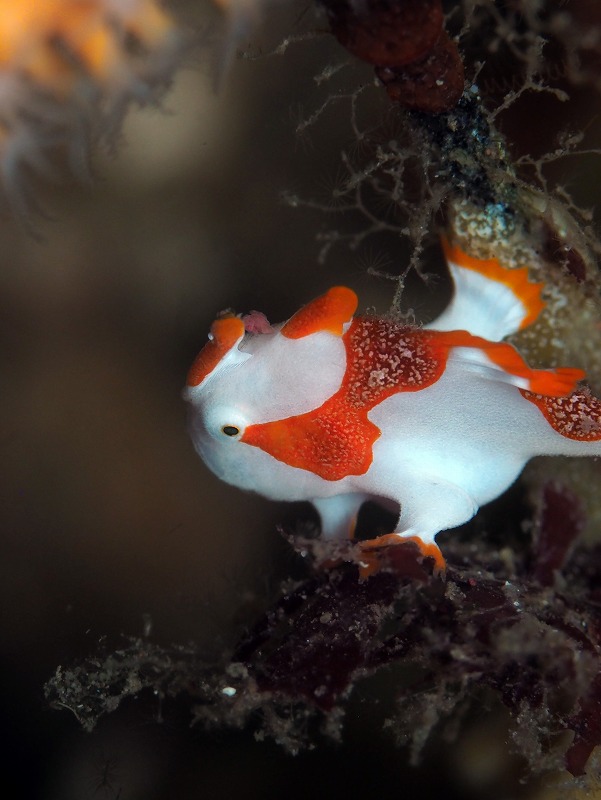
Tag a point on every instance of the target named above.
point(373, 557)
point(338, 514)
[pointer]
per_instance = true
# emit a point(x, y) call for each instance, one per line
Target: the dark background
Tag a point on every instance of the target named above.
point(109, 518)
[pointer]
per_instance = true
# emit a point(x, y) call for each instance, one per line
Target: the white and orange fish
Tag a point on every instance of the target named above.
point(434, 420)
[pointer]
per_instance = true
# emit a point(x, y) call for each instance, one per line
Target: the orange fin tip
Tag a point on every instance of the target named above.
point(370, 563)
point(430, 550)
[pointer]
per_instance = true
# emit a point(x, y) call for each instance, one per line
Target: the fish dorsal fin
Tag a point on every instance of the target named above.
point(226, 333)
point(489, 300)
point(329, 312)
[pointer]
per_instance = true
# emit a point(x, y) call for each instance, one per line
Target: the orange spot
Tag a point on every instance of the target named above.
point(326, 313)
point(327, 442)
point(515, 279)
point(577, 416)
point(553, 383)
point(226, 333)
point(336, 440)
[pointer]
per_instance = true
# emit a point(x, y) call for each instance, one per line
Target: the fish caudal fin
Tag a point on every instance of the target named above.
point(489, 300)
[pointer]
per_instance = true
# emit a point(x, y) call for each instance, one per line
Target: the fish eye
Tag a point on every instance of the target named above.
point(230, 430)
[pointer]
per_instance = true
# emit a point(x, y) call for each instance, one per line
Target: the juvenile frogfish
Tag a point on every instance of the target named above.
point(433, 421)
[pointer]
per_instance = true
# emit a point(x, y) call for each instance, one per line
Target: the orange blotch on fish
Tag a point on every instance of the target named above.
point(328, 313)
point(225, 334)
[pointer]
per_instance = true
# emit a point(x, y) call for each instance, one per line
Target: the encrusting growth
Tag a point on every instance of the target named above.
point(413, 55)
